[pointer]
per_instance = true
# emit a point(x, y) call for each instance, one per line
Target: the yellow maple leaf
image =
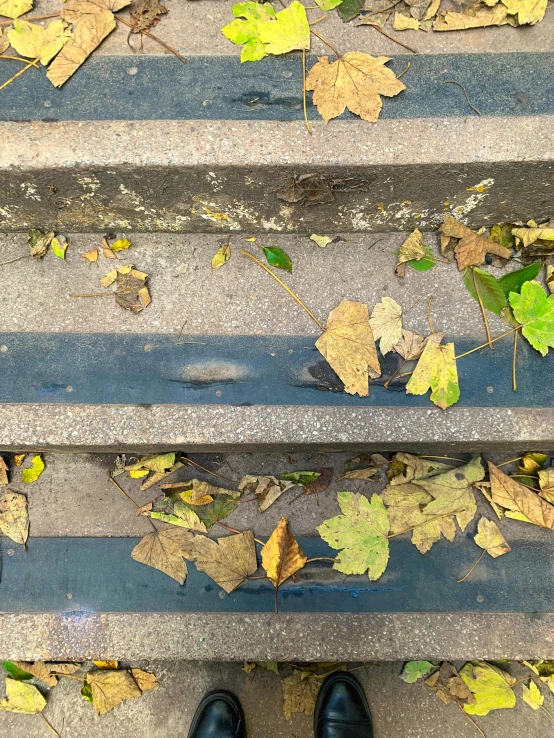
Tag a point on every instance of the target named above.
point(436, 371)
point(14, 518)
point(355, 81)
point(282, 556)
point(39, 42)
point(528, 12)
point(15, 8)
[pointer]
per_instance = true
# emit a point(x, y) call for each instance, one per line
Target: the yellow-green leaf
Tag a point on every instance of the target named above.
point(39, 42)
point(491, 687)
point(535, 311)
point(15, 8)
point(244, 30)
point(322, 241)
point(22, 697)
point(288, 31)
point(157, 463)
point(361, 532)
point(59, 246)
point(122, 244)
point(436, 371)
point(491, 539)
point(532, 696)
point(31, 475)
point(221, 256)
point(528, 12)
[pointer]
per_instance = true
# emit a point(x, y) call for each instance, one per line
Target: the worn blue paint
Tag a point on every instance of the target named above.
point(149, 369)
point(213, 88)
point(101, 576)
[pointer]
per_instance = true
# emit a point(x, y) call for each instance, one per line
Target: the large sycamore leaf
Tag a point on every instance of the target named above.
point(528, 12)
point(490, 538)
point(535, 311)
point(480, 18)
point(111, 688)
point(39, 42)
point(282, 556)
point(355, 81)
point(491, 687)
point(299, 694)
point(87, 35)
point(521, 502)
point(15, 8)
point(166, 550)
point(14, 518)
point(413, 249)
point(23, 698)
point(349, 347)
point(361, 532)
point(436, 371)
point(229, 561)
point(386, 324)
point(244, 30)
point(471, 248)
point(288, 31)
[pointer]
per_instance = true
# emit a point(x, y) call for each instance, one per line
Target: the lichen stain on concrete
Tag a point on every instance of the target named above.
point(471, 202)
point(213, 372)
point(30, 191)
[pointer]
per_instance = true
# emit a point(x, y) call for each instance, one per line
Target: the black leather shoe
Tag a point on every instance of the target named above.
point(342, 710)
point(219, 715)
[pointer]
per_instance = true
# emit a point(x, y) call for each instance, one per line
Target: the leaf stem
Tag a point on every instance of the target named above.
point(408, 65)
point(484, 345)
point(550, 715)
point(8, 82)
point(186, 460)
point(392, 38)
point(317, 20)
point(291, 293)
point(31, 18)
point(154, 38)
point(471, 720)
point(320, 558)
point(429, 314)
point(327, 43)
point(483, 552)
point(304, 92)
point(510, 461)
point(483, 311)
point(50, 727)
point(93, 294)
point(11, 261)
point(112, 480)
point(514, 362)
point(448, 458)
point(234, 530)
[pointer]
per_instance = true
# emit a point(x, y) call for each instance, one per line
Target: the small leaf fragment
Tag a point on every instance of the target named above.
point(15, 8)
point(39, 42)
point(532, 696)
point(471, 248)
point(39, 242)
point(144, 679)
point(414, 670)
point(157, 463)
point(436, 371)
point(28, 476)
point(299, 694)
point(244, 30)
point(277, 258)
point(106, 664)
point(413, 249)
point(16, 672)
point(304, 478)
point(267, 489)
point(448, 686)
point(122, 244)
point(229, 561)
point(282, 556)
point(411, 345)
point(110, 688)
point(221, 256)
point(480, 18)
point(350, 9)
point(91, 256)
point(490, 538)
point(327, 5)
point(322, 241)
point(4, 469)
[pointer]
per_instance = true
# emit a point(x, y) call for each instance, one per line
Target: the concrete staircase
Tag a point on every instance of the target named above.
point(222, 364)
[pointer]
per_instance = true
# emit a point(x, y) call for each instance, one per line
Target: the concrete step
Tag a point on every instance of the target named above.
point(145, 142)
point(398, 708)
point(97, 602)
point(225, 359)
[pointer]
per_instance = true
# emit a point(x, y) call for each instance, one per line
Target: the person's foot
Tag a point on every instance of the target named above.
point(342, 710)
point(219, 715)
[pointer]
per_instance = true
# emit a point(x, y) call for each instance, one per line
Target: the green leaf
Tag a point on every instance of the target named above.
point(414, 670)
point(424, 264)
point(59, 246)
point(536, 312)
point(277, 258)
point(436, 371)
point(303, 478)
point(490, 291)
point(245, 30)
point(289, 31)
point(502, 234)
point(31, 475)
point(491, 687)
point(328, 4)
point(86, 692)
point(514, 281)
point(532, 696)
point(15, 672)
point(350, 9)
point(361, 532)
point(212, 514)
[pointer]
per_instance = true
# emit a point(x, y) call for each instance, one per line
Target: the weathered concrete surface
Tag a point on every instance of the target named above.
point(398, 709)
point(224, 176)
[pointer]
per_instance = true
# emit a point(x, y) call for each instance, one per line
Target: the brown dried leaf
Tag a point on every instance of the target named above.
point(14, 518)
point(75, 10)
point(282, 556)
point(453, 21)
point(299, 694)
point(39, 242)
point(519, 500)
point(448, 685)
point(228, 561)
point(411, 345)
point(145, 14)
point(412, 248)
point(144, 679)
point(546, 483)
point(91, 256)
point(39, 670)
point(166, 550)
point(267, 489)
point(355, 81)
point(349, 346)
point(491, 539)
point(471, 248)
point(111, 688)
point(4, 469)
point(403, 22)
point(307, 189)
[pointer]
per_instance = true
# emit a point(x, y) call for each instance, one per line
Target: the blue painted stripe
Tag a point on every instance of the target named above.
point(213, 88)
point(152, 369)
point(99, 575)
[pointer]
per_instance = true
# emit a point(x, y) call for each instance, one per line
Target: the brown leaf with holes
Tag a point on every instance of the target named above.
point(145, 14)
point(267, 489)
point(521, 502)
point(471, 249)
point(166, 550)
point(111, 688)
point(321, 483)
point(131, 291)
point(447, 684)
point(282, 556)
point(355, 81)
point(39, 670)
point(228, 561)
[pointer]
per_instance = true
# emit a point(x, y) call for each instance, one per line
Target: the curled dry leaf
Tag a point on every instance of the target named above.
point(14, 518)
point(111, 688)
point(521, 502)
point(528, 236)
point(144, 679)
point(475, 18)
point(491, 539)
point(355, 81)
point(166, 550)
point(228, 561)
point(386, 324)
point(21, 697)
point(436, 370)
point(299, 694)
point(471, 248)
point(282, 556)
point(349, 347)
point(411, 345)
point(413, 248)
point(447, 684)
point(267, 489)
point(145, 14)
point(131, 291)
point(15, 8)
point(157, 463)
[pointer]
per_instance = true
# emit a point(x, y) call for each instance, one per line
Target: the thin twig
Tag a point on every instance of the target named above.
point(392, 38)
point(459, 581)
point(291, 293)
point(408, 65)
point(234, 530)
point(68, 676)
point(18, 74)
point(484, 345)
point(31, 18)
point(395, 372)
point(514, 362)
point(483, 311)
point(327, 43)
point(11, 261)
point(112, 480)
point(186, 460)
point(94, 294)
point(429, 314)
point(50, 727)
point(17, 58)
point(154, 38)
point(448, 458)
point(320, 558)
point(550, 715)
point(304, 92)
point(414, 304)
point(453, 82)
point(471, 720)
point(510, 461)
point(424, 522)
point(317, 20)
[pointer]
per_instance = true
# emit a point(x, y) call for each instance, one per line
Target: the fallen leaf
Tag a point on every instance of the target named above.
point(244, 30)
point(75, 10)
point(471, 249)
point(91, 256)
point(403, 22)
point(519, 500)
point(367, 473)
point(39, 242)
point(528, 12)
point(375, 19)
point(277, 258)
point(361, 532)
point(166, 550)
point(355, 81)
point(14, 518)
point(131, 292)
point(106, 664)
point(31, 475)
point(122, 244)
point(546, 483)
point(145, 14)
point(15, 8)
point(436, 371)
point(490, 290)
point(448, 686)
point(321, 241)
point(144, 679)
point(490, 538)
point(491, 687)
point(59, 246)
point(221, 256)
point(201, 489)
point(304, 478)
point(287, 31)
point(212, 514)
point(550, 278)
point(16, 672)
point(39, 670)
point(87, 35)
point(413, 248)
point(349, 9)
point(453, 21)
point(22, 697)
point(157, 477)
point(414, 670)
point(228, 561)
point(111, 688)
point(308, 189)
point(535, 311)
point(532, 696)
point(528, 236)
point(182, 517)
point(63, 667)
point(299, 694)
point(327, 5)
point(107, 253)
point(411, 345)
point(157, 463)
point(4, 469)
point(386, 324)
point(4, 41)
point(282, 556)
point(514, 281)
point(348, 346)
point(408, 467)
point(39, 42)
point(19, 459)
